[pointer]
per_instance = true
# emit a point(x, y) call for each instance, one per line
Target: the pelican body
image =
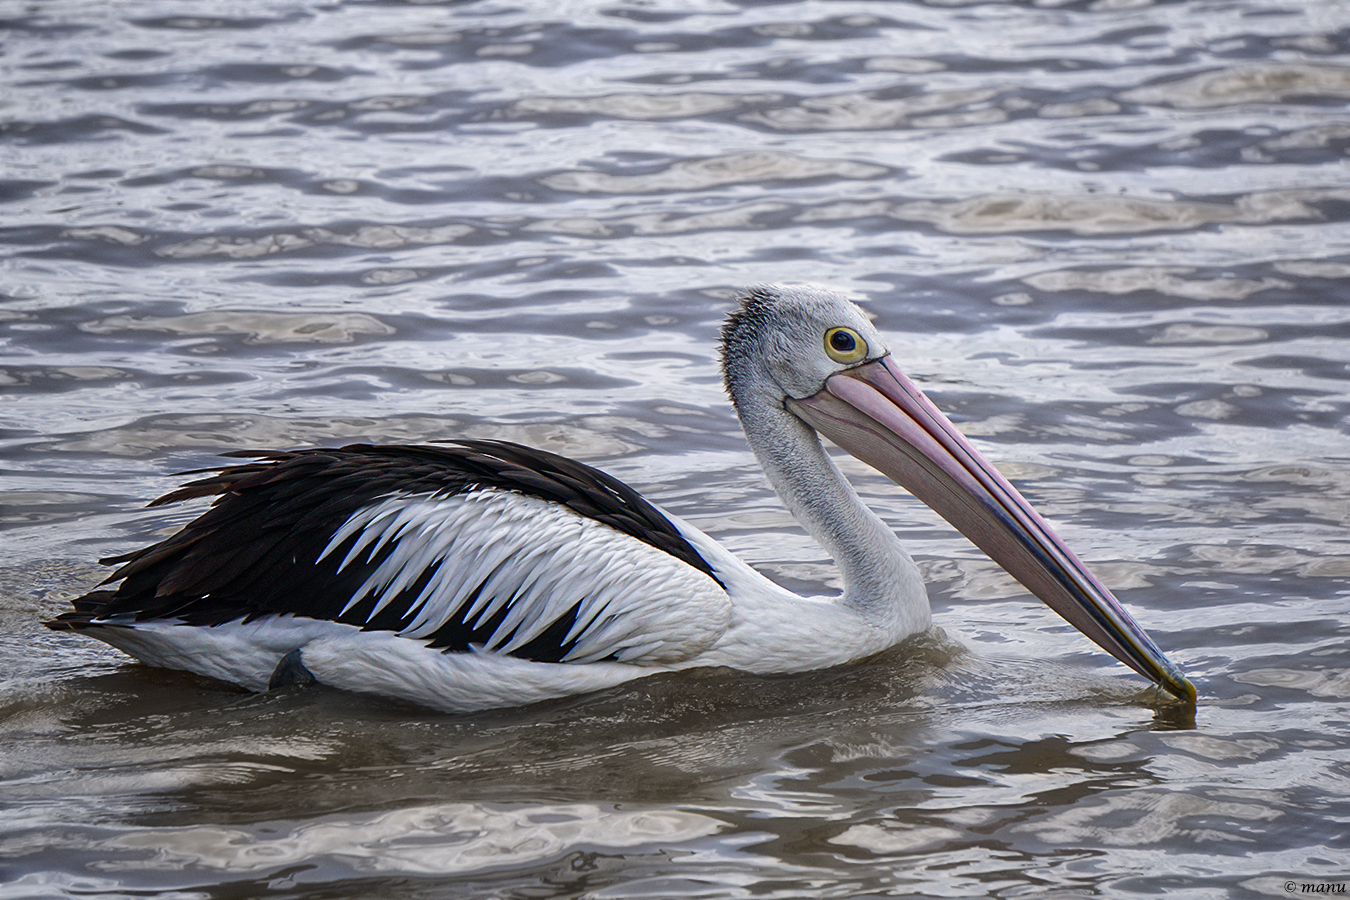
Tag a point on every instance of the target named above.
point(482, 574)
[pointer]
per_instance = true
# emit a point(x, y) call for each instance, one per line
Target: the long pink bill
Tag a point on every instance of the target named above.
point(877, 414)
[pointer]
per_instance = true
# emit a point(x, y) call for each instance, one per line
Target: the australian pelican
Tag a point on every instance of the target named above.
point(482, 574)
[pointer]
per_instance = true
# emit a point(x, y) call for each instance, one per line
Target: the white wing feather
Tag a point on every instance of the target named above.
point(491, 550)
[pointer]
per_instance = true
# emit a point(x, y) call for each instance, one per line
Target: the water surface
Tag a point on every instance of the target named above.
point(1109, 237)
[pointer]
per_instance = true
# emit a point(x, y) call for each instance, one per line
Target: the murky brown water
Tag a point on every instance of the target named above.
point(1110, 237)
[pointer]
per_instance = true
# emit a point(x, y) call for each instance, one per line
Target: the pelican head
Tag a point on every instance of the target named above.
point(813, 354)
point(787, 342)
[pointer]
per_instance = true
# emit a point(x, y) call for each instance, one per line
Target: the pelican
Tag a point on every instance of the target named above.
point(480, 574)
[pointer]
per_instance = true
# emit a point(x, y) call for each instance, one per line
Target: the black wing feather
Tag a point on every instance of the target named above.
point(256, 551)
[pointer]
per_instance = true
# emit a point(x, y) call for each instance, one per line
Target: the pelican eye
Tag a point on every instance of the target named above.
point(844, 345)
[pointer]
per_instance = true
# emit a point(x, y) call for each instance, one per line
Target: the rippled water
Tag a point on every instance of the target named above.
point(1110, 237)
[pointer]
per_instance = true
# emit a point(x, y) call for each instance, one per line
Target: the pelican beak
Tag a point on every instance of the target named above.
point(878, 415)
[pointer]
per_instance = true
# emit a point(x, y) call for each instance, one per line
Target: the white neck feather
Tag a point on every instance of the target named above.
point(881, 582)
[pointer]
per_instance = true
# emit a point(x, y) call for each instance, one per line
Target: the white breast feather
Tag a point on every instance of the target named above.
point(636, 603)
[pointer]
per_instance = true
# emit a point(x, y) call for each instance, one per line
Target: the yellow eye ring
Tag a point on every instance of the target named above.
point(844, 345)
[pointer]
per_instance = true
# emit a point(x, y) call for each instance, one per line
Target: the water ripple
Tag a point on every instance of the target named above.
point(1109, 237)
